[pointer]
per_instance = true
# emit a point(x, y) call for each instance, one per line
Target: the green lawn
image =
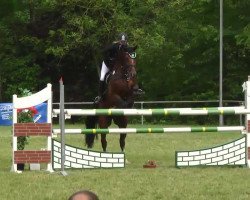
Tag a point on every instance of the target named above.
point(133, 182)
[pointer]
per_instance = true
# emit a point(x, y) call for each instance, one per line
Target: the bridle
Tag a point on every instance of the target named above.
point(127, 64)
point(130, 71)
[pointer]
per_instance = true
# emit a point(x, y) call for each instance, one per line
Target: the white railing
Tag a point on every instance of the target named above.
point(141, 104)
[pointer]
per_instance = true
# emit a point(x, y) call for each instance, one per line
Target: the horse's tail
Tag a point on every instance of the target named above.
point(90, 123)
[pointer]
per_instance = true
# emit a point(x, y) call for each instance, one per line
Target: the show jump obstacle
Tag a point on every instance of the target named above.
point(32, 129)
point(234, 153)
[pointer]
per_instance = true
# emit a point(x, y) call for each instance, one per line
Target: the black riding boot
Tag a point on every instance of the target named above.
point(100, 92)
point(101, 88)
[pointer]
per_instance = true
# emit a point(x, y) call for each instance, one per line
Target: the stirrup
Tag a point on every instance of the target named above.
point(97, 99)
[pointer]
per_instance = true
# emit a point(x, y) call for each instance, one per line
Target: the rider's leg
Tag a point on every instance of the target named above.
point(104, 71)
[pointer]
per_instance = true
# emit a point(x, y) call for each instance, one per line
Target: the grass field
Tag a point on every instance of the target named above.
point(133, 182)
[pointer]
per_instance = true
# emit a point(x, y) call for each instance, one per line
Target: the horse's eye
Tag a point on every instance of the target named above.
point(132, 55)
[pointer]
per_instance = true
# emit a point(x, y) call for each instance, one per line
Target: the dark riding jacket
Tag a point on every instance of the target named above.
point(109, 53)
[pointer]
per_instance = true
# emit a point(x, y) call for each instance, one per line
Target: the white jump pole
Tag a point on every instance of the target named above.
point(62, 127)
point(246, 88)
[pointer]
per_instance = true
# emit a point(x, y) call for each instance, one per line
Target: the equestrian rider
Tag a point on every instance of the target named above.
point(110, 52)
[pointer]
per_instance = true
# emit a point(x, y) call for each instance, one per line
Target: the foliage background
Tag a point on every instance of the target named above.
point(178, 55)
point(178, 59)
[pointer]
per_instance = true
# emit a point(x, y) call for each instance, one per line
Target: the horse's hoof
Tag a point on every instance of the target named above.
point(140, 92)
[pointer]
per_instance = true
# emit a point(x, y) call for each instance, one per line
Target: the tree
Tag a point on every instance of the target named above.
point(178, 54)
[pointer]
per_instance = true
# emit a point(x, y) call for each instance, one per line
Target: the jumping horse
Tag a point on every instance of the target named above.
point(119, 93)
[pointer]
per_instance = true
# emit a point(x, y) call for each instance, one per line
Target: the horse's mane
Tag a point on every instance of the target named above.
point(129, 49)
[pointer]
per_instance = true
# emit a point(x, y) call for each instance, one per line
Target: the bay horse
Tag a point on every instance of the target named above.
point(120, 93)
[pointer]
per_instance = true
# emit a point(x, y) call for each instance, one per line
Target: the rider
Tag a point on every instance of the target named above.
point(110, 53)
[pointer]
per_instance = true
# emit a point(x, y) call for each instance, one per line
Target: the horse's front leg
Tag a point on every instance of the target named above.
point(118, 102)
point(130, 101)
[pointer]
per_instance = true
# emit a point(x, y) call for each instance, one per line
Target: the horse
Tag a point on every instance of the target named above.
point(119, 93)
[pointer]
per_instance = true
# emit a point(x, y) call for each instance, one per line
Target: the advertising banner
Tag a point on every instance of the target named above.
point(5, 114)
point(39, 113)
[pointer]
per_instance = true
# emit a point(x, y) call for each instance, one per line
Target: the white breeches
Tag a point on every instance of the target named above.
point(104, 71)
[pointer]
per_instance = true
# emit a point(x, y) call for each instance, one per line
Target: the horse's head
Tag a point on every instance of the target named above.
point(127, 60)
point(127, 57)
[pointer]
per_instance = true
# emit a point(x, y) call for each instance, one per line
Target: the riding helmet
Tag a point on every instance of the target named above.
point(123, 37)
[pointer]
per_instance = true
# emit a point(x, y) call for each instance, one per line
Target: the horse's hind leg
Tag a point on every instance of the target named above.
point(122, 141)
point(122, 122)
point(104, 122)
point(90, 124)
point(104, 142)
